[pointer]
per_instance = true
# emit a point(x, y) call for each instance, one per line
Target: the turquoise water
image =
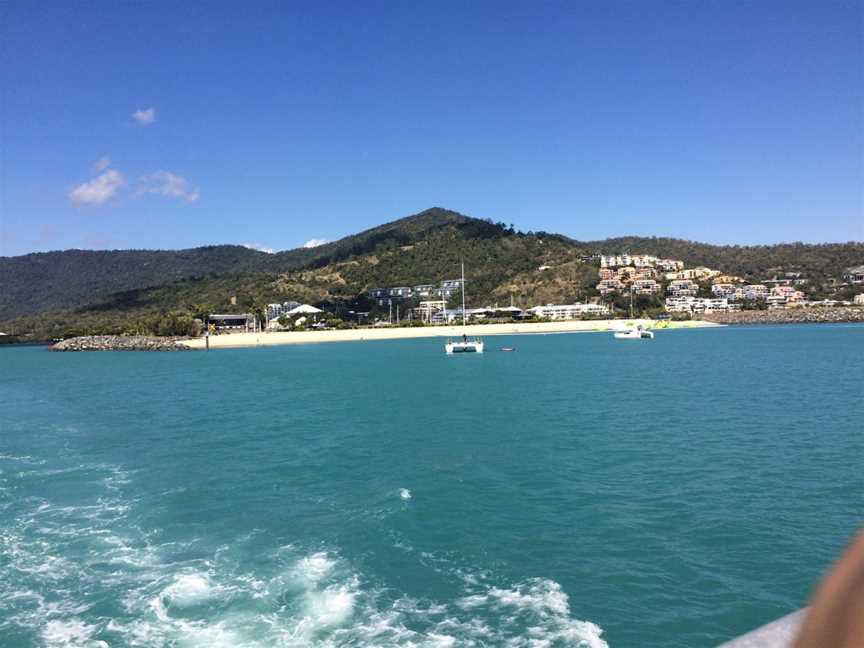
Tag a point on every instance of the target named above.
point(581, 491)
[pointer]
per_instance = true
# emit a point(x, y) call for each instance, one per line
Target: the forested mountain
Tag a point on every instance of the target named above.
point(44, 281)
point(52, 280)
point(124, 290)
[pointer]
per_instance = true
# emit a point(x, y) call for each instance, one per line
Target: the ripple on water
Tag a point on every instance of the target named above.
point(62, 560)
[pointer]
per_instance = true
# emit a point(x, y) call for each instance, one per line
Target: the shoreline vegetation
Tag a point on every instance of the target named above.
point(279, 338)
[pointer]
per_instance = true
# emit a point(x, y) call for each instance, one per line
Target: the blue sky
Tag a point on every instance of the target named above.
point(277, 123)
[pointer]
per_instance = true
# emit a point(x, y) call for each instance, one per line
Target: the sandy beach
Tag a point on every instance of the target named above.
point(235, 340)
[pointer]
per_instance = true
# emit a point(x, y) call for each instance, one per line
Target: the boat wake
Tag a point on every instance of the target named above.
point(85, 574)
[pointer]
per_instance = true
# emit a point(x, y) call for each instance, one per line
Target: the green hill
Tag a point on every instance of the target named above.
point(46, 281)
point(57, 293)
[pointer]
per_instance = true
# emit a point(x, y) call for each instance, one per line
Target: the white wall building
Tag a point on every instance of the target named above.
point(698, 305)
point(682, 288)
point(568, 311)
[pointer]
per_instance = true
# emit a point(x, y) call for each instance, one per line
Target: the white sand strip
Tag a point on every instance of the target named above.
point(234, 340)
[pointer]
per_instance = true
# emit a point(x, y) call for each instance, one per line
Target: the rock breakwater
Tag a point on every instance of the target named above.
point(810, 315)
point(120, 343)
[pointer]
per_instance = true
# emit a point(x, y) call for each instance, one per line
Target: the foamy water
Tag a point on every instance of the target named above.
point(58, 557)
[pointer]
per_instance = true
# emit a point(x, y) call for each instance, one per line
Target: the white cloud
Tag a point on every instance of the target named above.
point(315, 243)
point(259, 247)
point(144, 117)
point(165, 183)
point(101, 164)
point(99, 190)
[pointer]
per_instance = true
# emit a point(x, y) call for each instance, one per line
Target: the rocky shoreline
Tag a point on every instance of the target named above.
point(809, 315)
point(120, 343)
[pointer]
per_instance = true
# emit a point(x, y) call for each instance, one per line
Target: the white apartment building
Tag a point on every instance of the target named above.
point(608, 286)
point(275, 311)
point(644, 260)
point(568, 311)
point(645, 287)
point(697, 305)
point(682, 288)
point(752, 291)
point(669, 265)
point(783, 296)
point(723, 290)
point(615, 260)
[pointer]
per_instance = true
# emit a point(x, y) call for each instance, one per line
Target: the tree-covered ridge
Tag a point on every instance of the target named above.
point(50, 280)
point(45, 281)
point(129, 290)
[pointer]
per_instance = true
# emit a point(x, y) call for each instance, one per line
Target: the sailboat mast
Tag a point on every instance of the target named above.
point(463, 293)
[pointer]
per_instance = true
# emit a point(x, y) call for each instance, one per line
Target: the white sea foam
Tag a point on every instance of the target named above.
point(173, 595)
point(405, 494)
point(314, 568)
point(330, 607)
point(71, 632)
point(189, 589)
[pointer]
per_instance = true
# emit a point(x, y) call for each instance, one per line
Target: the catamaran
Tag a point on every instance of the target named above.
point(464, 345)
point(636, 332)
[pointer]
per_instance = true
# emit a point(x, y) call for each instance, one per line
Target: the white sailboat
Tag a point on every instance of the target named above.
point(635, 332)
point(464, 345)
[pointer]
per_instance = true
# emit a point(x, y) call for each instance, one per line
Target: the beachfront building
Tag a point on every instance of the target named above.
point(682, 288)
point(699, 305)
point(568, 311)
point(454, 315)
point(428, 310)
point(858, 300)
point(232, 321)
point(304, 309)
point(506, 311)
point(605, 274)
point(275, 311)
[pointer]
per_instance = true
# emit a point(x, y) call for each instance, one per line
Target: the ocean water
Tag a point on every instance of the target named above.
point(580, 491)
